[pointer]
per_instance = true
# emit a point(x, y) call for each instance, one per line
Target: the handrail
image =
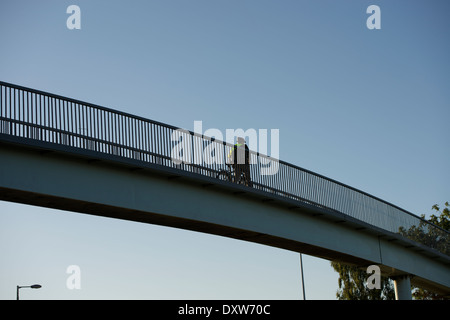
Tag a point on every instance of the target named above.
point(34, 114)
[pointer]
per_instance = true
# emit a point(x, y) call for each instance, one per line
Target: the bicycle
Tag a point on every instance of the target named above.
point(229, 175)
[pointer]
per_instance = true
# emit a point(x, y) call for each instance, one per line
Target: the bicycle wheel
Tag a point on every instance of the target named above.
point(244, 180)
point(224, 175)
point(241, 179)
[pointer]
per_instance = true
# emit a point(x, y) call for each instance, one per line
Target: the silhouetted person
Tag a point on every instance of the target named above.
point(240, 158)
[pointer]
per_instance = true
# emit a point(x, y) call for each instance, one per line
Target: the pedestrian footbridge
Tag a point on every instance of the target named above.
point(67, 154)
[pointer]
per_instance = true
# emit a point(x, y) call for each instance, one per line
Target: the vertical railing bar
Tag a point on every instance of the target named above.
point(73, 123)
point(98, 130)
point(21, 113)
point(40, 117)
point(64, 119)
point(77, 112)
point(123, 134)
point(130, 138)
point(103, 121)
point(141, 137)
point(37, 116)
point(158, 143)
point(52, 120)
point(127, 135)
point(166, 145)
point(13, 117)
point(43, 119)
point(60, 121)
point(10, 104)
point(163, 144)
point(94, 129)
point(49, 125)
point(47, 119)
point(110, 131)
point(146, 137)
point(151, 143)
point(27, 131)
point(1, 102)
point(70, 122)
point(35, 130)
point(116, 131)
point(85, 127)
point(33, 114)
point(149, 139)
point(160, 146)
point(154, 143)
point(119, 133)
point(67, 121)
point(146, 142)
point(135, 134)
point(17, 124)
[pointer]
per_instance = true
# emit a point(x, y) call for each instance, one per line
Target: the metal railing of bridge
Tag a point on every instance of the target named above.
point(46, 117)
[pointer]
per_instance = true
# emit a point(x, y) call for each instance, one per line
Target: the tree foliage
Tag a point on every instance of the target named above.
point(428, 234)
point(437, 239)
point(353, 286)
point(353, 280)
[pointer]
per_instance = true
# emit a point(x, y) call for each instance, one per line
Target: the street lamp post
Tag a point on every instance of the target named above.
point(303, 279)
point(34, 286)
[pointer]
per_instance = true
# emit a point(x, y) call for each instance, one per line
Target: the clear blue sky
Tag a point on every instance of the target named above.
point(369, 108)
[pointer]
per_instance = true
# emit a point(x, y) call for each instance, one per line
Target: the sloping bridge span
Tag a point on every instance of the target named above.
point(118, 165)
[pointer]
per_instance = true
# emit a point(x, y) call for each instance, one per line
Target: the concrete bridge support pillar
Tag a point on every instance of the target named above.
point(402, 285)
